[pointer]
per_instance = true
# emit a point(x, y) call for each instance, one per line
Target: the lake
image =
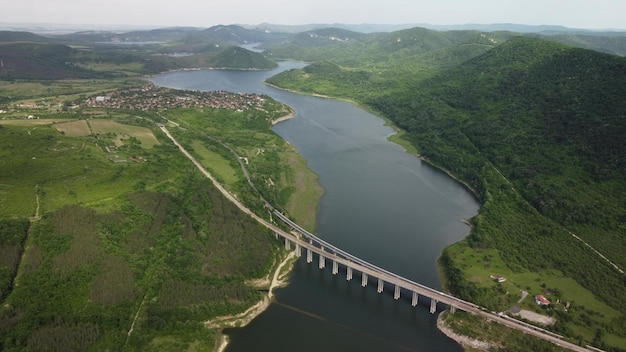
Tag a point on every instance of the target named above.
point(380, 203)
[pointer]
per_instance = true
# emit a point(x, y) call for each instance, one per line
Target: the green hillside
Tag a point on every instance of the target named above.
point(537, 130)
point(110, 238)
point(13, 36)
point(41, 61)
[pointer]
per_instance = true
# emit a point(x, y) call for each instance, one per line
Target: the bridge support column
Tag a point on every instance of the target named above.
point(363, 279)
point(381, 285)
point(414, 300)
point(433, 306)
point(335, 267)
point(309, 255)
point(287, 244)
point(396, 294)
point(348, 273)
point(298, 250)
point(452, 309)
point(322, 262)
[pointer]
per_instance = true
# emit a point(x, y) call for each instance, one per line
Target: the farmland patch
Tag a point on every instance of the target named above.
point(77, 128)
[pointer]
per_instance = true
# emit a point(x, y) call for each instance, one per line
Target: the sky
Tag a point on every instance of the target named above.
point(589, 14)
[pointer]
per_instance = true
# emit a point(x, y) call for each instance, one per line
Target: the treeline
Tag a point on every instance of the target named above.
point(13, 234)
point(536, 130)
point(174, 251)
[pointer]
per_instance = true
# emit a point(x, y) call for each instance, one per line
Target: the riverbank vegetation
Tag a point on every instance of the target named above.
point(111, 239)
point(535, 129)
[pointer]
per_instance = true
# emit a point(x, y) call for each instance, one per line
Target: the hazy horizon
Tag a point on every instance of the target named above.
point(580, 14)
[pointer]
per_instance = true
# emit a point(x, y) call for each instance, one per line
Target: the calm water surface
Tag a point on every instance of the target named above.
point(380, 203)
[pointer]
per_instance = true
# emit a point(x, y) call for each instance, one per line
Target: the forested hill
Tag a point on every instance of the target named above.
point(531, 107)
point(551, 120)
point(538, 130)
point(23, 60)
point(11, 36)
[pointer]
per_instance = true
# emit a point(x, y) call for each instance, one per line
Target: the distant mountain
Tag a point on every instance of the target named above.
point(511, 27)
point(41, 61)
point(234, 35)
point(324, 36)
point(402, 47)
point(13, 36)
point(611, 43)
point(362, 28)
point(372, 28)
point(240, 58)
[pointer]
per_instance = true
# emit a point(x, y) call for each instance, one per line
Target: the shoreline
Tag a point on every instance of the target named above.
point(464, 341)
point(244, 318)
point(289, 116)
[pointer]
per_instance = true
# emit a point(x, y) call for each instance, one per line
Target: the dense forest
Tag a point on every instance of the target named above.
point(536, 129)
point(134, 255)
point(110, 239)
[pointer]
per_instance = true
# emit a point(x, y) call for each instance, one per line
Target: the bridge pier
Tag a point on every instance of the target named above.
point(396, 294)
point(348, 273)
point(298, 250)
point(363, 279)
point(433, 305)
point(309, 255)
point(322, 262)
point(287, 244)
point(381, 285)
point(335, 267)
point(414, 300)
point(452, 309)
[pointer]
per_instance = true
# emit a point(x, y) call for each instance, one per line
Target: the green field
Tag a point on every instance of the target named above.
point(110, 231)
point(145, 136)
point(218, 165)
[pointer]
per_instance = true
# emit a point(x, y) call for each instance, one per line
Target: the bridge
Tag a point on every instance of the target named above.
point(304, 241)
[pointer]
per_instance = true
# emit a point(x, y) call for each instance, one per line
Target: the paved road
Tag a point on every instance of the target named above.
point(331, 252)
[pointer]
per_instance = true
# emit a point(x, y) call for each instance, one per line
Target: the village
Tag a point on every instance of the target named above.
point(151, 98)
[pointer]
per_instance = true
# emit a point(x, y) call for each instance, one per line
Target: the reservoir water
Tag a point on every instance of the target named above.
point(380, 203)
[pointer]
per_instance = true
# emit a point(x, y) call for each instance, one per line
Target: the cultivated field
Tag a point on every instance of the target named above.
point(35, 122)
point(77, 128)
point(143, 134)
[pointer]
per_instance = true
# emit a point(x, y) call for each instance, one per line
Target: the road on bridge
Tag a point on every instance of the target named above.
point(362, 266)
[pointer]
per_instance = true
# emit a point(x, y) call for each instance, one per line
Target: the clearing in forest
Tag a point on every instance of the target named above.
point(143, 134)
point(78, 128)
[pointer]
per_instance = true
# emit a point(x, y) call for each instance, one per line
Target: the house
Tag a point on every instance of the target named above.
point(498, 278)
point(28, 104)
point(541, 300)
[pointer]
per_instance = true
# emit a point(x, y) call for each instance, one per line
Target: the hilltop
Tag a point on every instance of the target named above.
point(535, 129)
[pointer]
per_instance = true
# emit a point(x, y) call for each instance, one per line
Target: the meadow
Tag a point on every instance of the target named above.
point(126, 246)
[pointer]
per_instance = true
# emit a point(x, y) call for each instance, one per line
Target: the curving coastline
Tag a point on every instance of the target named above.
point(465, 341)
point(242, 319)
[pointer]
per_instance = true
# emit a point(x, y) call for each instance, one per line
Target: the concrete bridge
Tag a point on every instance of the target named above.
point(303, 241)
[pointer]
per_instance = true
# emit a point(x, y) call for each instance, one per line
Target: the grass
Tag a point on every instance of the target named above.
point(61, 88)
point(66, 170)
point(113, 235)
point(278, 172)
point(78, 128)
point(32, 123)
point(479, 264)
point(304, 198)
point(218, 165)
point(122, 131)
